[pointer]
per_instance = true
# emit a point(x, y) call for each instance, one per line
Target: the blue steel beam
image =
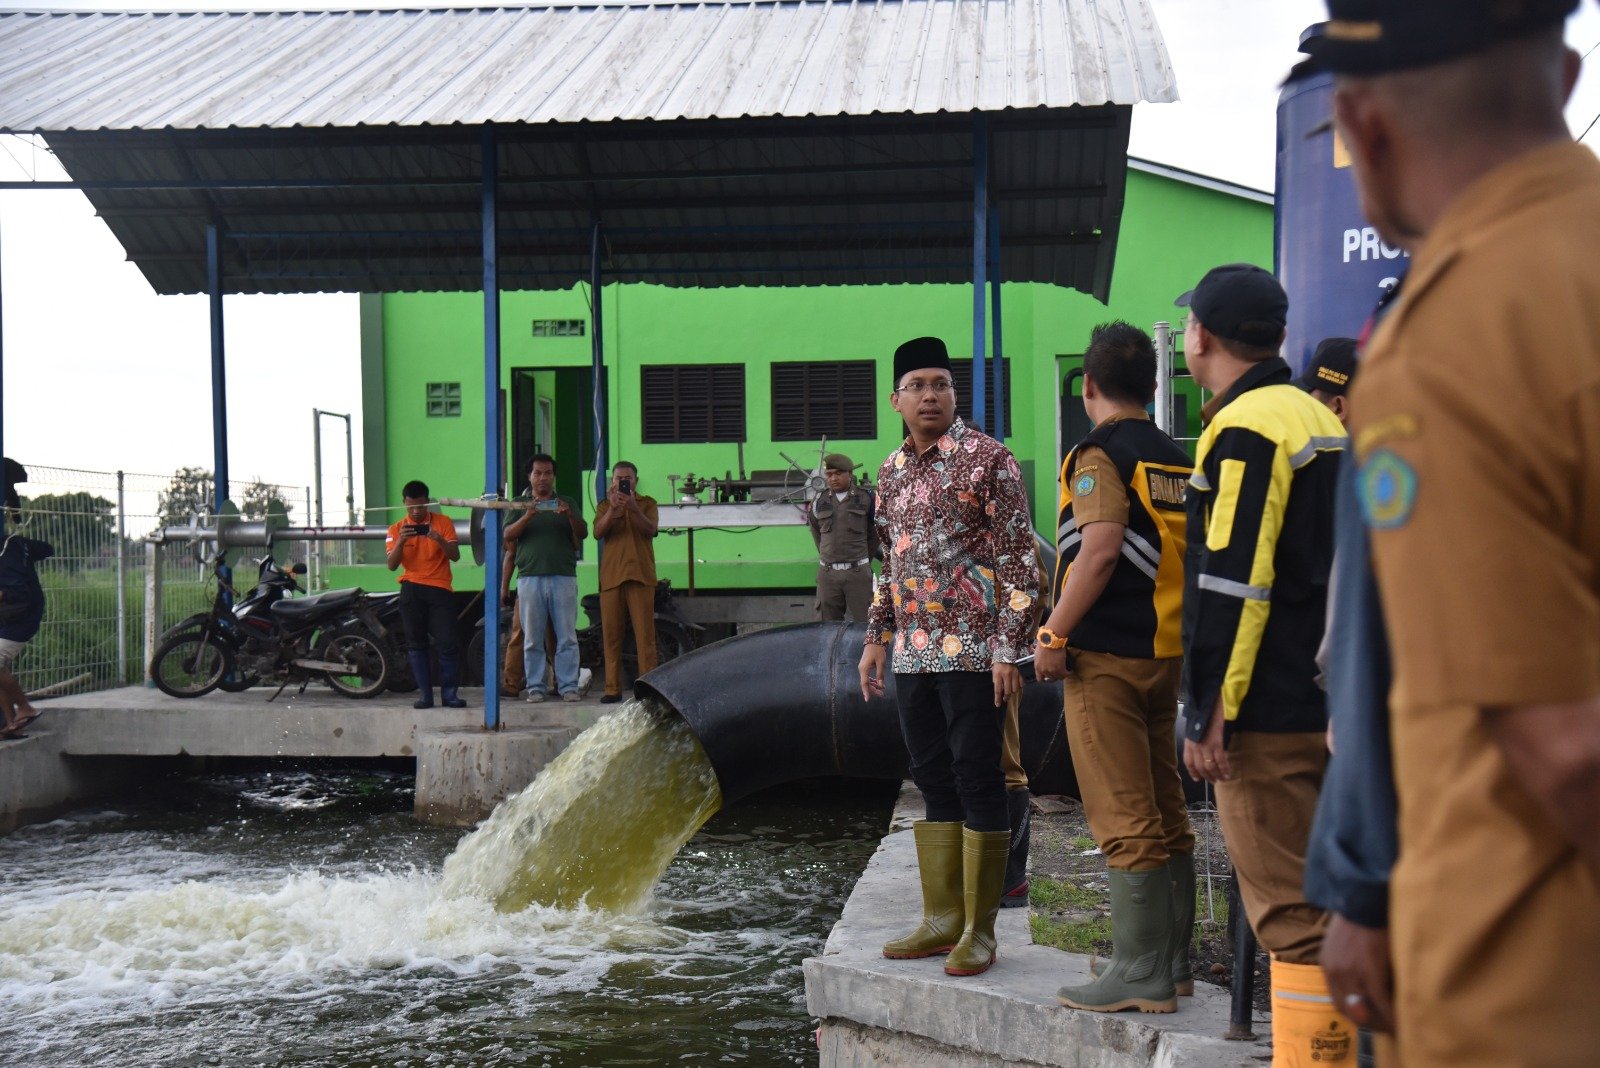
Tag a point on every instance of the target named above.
point(219, 381)
point(493, 461)
point(998, 431)
point(601, 408)
point(980, 261)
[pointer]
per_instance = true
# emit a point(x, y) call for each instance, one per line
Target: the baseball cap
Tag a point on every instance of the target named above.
point(1240, 302)
point(1332, 366)
point(838, 461)
point(1379, 36)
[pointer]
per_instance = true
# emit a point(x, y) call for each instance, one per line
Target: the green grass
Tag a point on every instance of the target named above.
point(1083, 842)
point(1074, 936)
point(1063, 896)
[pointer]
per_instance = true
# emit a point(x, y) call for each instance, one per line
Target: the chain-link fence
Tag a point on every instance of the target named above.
point(93, 633)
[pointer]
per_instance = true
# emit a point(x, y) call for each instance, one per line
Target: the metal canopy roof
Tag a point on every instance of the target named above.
point(718, 143)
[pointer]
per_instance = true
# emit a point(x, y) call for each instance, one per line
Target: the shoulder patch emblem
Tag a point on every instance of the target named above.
point(1084, 485)
point(1387, 486)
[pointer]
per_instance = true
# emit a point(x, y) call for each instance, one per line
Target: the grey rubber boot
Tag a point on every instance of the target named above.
point(1181, 868)
point(1139, 974)
point(1019, 809)
point(983, 871)
point(943, 918)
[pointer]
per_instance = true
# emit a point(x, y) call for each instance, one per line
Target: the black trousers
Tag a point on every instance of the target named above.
point(428, 613)
point(953, 731)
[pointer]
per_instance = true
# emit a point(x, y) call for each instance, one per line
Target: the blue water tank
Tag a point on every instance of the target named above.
point(1328, 257)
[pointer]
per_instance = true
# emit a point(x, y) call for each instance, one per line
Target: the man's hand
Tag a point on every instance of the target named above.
point(1007, 681)
point(871, 670)
point(1049, 664)
point(562, 507)
point(1206, 759)
point(1356, 961)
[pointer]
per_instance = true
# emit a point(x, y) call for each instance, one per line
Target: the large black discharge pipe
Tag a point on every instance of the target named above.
point(785, 704)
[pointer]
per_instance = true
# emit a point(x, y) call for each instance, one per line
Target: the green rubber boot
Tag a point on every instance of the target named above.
point(1139, 975)
point(1181, 867)
point(983, 876)
point(939, 864)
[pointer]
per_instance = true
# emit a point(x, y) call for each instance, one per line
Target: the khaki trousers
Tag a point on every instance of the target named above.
point(1266, 811)
point(1011, 747)
point(1121, 713)
point(845, 592)
point(635, 602)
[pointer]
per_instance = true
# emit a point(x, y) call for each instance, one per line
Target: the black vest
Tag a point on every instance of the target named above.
point(1140, 612)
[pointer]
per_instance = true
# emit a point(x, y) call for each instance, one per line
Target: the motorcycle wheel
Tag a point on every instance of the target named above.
point(366, 657)
point(186, 665)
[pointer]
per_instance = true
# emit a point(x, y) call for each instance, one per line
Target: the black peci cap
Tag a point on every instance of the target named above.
point(1332, 366)
point(918, 354)
point(1240, 302)
point(1379, 36)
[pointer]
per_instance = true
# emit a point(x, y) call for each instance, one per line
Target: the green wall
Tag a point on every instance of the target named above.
point(1172, 232)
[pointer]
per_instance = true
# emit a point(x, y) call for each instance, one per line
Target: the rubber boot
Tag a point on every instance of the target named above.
point(449, 681)
point(983, 870)
point(939, 864)
point(422, 671)
point(1139, 974)
point(1307, 1031)
point(1018, 809)
point(1181, 867)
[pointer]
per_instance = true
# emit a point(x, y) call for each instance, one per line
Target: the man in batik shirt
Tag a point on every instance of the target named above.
point(955, 600)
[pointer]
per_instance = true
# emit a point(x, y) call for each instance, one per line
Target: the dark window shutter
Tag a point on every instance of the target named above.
point(835, 400)
point(693, 403)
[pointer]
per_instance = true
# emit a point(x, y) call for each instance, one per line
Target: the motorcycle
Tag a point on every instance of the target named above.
point(333, 637)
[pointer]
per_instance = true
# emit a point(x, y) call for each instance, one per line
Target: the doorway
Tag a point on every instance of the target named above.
point(552, 411)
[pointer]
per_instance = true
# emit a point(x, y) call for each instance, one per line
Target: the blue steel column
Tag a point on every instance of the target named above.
point(998, 431)
point(980, 260)
point(219, 382)
point(598, 355)
point(493, 462)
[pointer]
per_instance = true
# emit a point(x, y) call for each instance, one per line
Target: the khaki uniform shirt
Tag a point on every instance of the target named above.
point(1476, 422)
point(843, 529)
point(626, 552)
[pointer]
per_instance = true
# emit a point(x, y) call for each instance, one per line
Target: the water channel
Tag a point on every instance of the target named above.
point(299, 916)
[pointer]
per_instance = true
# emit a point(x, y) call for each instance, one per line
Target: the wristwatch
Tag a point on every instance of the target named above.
point(1048, 639)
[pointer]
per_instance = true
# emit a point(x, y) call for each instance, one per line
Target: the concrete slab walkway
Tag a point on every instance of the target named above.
point(879, 1012)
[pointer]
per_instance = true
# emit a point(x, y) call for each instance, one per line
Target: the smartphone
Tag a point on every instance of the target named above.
point(421, 529)
point(547, 506)
point(625, 485)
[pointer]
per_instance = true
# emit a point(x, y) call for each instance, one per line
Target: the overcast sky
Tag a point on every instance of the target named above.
point(100, 373)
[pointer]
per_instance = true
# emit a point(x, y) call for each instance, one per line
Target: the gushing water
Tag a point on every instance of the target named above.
point(599, 825)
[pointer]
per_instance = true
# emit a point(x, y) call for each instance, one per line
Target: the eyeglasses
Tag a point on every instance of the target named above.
point(938, 387)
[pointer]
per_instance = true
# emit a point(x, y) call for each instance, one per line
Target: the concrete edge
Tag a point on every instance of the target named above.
point(889, 1012)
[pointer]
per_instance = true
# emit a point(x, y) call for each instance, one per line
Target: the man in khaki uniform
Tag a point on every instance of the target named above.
point(625, 526)
point(842, 526)
point(1476, 424)
point(1114, 639)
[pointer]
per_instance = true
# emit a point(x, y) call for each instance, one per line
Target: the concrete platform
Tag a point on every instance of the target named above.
point(88, 745)
point(878, 1012)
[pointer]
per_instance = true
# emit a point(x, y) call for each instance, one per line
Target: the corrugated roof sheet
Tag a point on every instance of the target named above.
point(569, 62)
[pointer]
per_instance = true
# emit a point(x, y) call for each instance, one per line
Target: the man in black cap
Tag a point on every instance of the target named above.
point(956, 602)
point(1476, 420)
point(1327, 377)
point(1260, 543)
point(842, 524)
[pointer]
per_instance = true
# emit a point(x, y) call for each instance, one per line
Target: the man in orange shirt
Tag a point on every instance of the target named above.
point(424, 542)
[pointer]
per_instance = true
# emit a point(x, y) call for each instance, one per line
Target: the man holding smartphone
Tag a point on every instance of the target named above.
point(625, 526)
point(548, 536)
point(425, 543)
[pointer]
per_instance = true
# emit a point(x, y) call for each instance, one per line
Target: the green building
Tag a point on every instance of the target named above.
point(700, 379)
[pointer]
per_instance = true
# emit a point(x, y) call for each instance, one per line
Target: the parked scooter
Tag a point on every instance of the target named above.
point(264, 635)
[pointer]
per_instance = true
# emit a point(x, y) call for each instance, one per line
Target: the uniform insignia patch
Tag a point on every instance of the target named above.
point(1084, 486)
point(1387, 486)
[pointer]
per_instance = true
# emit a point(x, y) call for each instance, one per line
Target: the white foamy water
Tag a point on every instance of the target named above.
point(306, 919)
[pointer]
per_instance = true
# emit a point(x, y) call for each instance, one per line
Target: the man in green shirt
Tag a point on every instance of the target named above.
point(548, 536)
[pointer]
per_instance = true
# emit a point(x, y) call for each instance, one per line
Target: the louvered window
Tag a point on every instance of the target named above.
point(701, 402)
point(961, 372)
point(824, 400)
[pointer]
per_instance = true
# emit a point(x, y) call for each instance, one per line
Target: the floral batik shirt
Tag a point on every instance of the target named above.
point(960, 574)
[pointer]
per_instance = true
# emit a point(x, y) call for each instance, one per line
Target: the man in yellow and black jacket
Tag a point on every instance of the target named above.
point(1260, 508)
point(1113, 638)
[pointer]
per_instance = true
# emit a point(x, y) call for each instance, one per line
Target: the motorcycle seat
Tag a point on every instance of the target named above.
point(303, 608)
